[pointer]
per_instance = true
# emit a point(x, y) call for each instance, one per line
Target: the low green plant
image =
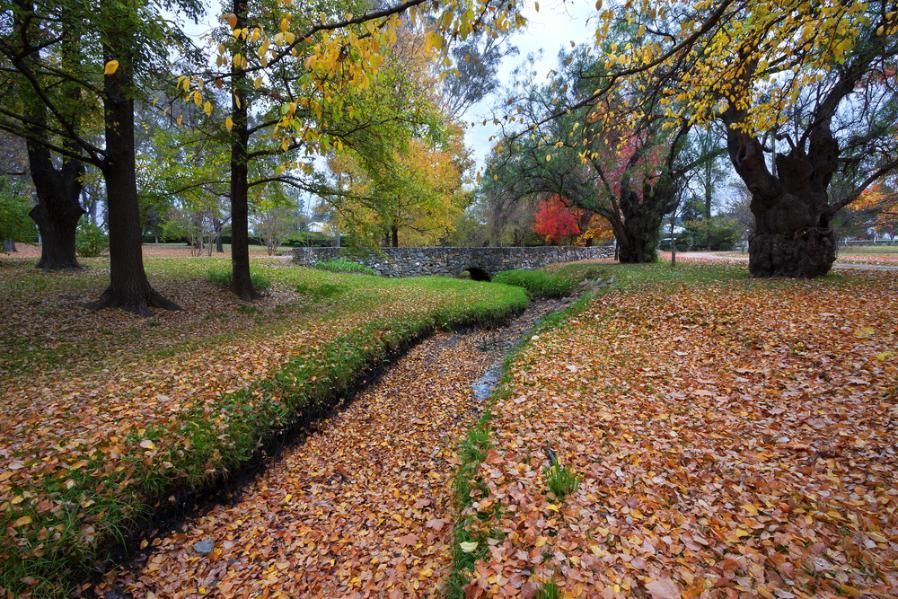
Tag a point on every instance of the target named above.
point(537, 283)
point(320, 291)
point(345, 266)
point(548, 590)
point(90, 240)
point(223, 279)
point(561, 480)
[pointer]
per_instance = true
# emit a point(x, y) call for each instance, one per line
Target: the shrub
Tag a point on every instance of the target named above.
point(345, 266)
point(90, 240)
point(223, 279)
point(720, 233)
point(537, 283)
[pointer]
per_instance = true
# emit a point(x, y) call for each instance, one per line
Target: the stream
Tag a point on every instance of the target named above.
point(361, 506)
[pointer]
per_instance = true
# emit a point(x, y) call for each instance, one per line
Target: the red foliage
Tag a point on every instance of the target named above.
point(555, 219)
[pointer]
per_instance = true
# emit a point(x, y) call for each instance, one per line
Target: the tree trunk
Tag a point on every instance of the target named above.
point(128, 286)
point(637, 233)
point(673, 240)
point(218, 226)
point(58, 189)
point(57, 214)
point(394, 236)
point(792, 236)
point(241, 281)
point(9, 246)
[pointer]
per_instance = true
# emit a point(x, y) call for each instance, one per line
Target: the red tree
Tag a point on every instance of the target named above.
point(555, 219)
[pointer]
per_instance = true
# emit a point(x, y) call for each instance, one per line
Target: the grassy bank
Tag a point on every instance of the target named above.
point(107, 415)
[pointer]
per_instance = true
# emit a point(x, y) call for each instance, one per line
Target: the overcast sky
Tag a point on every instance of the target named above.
point(556, 25)
point(552, 28)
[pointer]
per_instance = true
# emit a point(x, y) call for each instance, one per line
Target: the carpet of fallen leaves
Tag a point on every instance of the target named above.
point(733, 439)
point(73, 430)
point(363, 506)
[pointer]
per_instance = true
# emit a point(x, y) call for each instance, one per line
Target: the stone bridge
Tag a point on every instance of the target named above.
point(480, 262)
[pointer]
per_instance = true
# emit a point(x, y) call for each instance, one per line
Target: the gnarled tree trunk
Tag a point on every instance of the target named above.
point(58, 188)
point(637, 232)
point(638, 237)
point(792, 236)
point(57, 211)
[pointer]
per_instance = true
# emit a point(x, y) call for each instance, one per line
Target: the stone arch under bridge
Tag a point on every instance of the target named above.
point(451, 261)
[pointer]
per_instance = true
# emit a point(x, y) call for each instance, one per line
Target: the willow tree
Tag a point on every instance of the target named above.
point(806, 90)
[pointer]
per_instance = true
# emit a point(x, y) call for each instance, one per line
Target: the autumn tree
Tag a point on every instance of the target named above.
point(555, 219)
point(45, 109)
point(805, 90)
point(877, 208)
point(621, 157)
point(293, 87)
point(404, 174)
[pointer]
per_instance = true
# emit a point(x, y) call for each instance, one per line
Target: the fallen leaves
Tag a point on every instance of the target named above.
point(361, 506)
point(94, 405)
point(731, 441)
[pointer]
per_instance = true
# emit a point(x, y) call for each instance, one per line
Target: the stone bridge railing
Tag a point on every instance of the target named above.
point(404, 262)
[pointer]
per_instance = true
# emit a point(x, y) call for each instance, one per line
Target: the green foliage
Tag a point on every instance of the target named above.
point(14, 206)
point(345, 266)
point(537, 283)
point(719, 233)
point(90, 240)
point(548, 590)
point(561, 480)
point(223, 278)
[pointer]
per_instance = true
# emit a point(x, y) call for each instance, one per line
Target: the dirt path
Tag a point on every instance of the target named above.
point(843, 263)
point(362, 507)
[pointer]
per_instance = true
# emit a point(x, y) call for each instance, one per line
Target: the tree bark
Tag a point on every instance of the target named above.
point(394, 236)
point(57, 211)
point(58, 188)
point(128, 286)
point(637, 230)
point(241, 281)
point(219, 226)
point(792, 236)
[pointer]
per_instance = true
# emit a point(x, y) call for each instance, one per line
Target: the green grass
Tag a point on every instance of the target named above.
point(537, 283)
point(868, 249)
point(224, 277)
point(209, 440)
point(345, 266)
point(561, 480)
point(548, 590)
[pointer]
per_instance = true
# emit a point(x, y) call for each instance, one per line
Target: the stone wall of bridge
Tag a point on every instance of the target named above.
point(410, 261)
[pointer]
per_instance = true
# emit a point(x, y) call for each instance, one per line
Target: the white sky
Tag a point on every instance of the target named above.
point(552, 28)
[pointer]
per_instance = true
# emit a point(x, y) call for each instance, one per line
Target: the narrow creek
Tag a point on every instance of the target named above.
point(362, 506)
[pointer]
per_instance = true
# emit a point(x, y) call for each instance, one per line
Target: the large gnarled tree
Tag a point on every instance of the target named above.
point(806, 90)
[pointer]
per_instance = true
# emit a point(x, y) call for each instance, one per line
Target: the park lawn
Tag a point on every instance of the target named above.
point(106, 415)
point(727, 435)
